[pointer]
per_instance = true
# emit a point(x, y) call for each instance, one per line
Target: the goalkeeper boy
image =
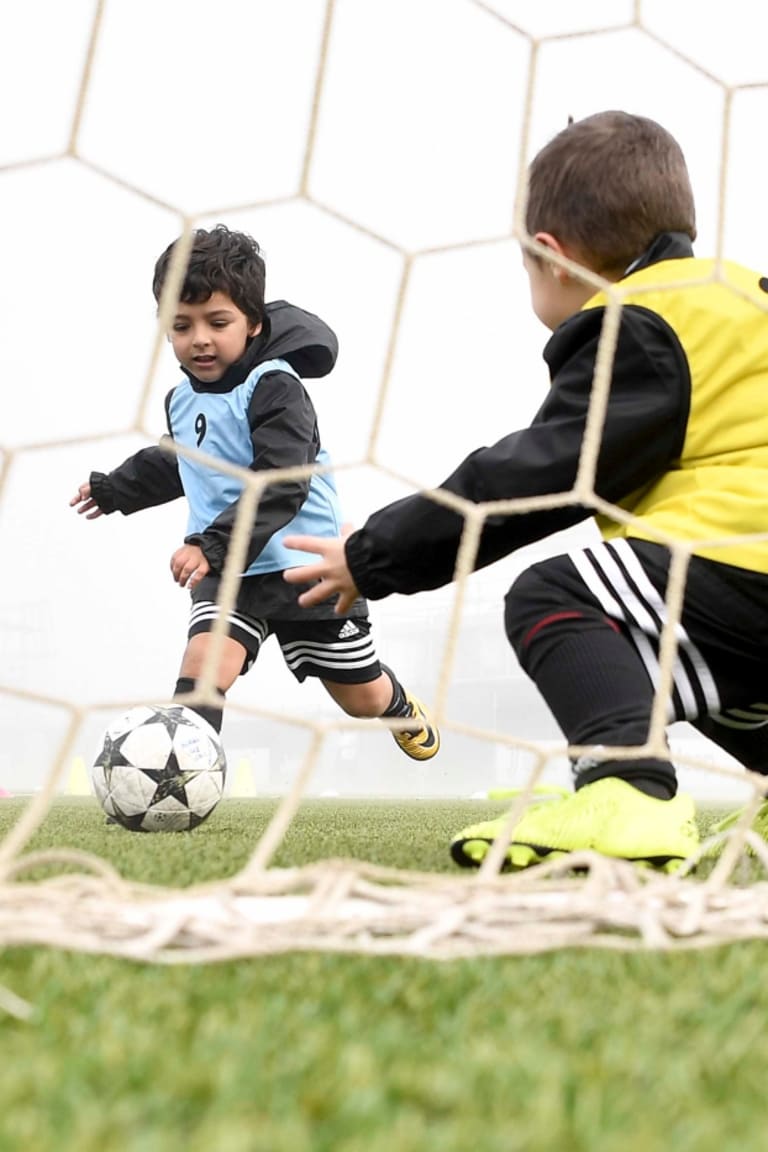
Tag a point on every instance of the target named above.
point(684, 449)
point(242, 400)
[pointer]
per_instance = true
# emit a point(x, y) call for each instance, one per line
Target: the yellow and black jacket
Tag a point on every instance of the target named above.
point(684, 446)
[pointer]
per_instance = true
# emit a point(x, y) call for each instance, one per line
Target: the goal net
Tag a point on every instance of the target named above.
point(377, 150)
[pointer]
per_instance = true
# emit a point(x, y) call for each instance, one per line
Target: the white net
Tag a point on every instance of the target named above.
point(377, 149)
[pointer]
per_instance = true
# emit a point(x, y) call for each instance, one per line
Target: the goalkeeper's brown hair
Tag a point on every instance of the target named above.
point(606, 186)
point(220, 260)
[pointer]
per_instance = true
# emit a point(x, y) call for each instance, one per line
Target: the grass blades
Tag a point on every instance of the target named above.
point(572, 1051)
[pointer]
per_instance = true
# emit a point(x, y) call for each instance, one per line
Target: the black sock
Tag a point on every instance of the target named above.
point(398, 705)
point(649, 775)
point(598, 691)
point(215, 716)
point(659, 789)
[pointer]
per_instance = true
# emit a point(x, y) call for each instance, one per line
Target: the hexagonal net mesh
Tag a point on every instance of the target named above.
point(381, 150)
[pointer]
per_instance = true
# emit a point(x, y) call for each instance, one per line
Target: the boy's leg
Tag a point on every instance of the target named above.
point(586, 628)
point(341, 654)
point(239, 650)
point(599, 695)
point(230, 666)
point(387, 699)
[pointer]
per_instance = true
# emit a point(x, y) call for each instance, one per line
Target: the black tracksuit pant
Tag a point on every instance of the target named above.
point(586, 628)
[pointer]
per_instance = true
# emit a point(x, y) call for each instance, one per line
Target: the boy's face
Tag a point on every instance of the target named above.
point(210, 336)
point(555, 294)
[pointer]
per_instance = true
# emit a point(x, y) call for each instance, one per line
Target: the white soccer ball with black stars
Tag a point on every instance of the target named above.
point(159, 769)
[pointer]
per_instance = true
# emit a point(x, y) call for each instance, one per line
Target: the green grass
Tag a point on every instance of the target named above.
point(571, 1051)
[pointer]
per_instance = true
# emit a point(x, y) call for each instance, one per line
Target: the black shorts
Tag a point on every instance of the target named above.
point(338, 649)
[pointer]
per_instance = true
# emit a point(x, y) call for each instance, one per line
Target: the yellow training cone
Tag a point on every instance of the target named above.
point(242, 782)
point(79, 783)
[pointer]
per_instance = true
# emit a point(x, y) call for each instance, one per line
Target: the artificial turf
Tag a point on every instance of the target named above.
point(569, 1051)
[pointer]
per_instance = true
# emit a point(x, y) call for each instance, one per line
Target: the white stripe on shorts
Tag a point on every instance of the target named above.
point(743, 718)
point(358, 653)
point(640, 610)
point(209, 610)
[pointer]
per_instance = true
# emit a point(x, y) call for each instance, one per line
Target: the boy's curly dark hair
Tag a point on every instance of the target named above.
point(220, 261)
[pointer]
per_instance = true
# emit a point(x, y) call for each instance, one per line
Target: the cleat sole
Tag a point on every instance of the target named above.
point(472, 853)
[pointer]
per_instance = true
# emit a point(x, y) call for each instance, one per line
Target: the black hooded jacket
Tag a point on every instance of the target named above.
point(283, 427)
point(411, 545)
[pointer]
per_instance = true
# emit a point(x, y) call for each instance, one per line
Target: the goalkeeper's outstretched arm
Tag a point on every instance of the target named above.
point(148, 478)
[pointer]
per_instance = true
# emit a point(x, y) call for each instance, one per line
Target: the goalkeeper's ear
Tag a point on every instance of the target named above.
point(547, 240)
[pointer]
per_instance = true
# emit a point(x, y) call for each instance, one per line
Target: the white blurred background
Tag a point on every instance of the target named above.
point(411, 161)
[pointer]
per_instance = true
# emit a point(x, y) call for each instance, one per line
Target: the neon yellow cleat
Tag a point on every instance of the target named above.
point(422, 742)
point(471, 846)
point(609, 816)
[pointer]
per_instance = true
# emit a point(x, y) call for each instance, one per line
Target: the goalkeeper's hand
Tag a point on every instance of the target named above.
point(330, 575)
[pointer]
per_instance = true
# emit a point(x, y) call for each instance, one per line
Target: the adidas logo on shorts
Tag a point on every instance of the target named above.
point(348, 629)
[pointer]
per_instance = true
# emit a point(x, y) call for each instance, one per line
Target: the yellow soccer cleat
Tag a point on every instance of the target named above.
point(471, 846)
point(422, 742)
point(609, 816)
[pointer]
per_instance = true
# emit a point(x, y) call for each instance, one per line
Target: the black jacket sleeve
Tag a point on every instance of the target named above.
point(411, 545)
point(146, 479)
point(284, 434)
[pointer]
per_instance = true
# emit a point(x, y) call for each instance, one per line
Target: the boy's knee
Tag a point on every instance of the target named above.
point(363, 701)
point(546, 604)
point(231, 662)
point(528, 599)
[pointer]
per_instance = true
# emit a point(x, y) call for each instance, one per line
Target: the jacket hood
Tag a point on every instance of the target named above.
point(666, 246)
point(300, 337)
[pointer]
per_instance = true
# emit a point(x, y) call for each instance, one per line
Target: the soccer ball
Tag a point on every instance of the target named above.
point(159, 769)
